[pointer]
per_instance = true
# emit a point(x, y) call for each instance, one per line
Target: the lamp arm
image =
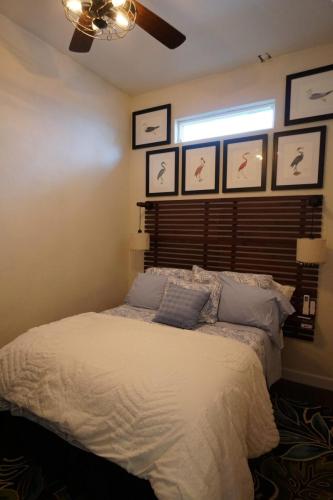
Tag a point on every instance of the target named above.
point(140, 217)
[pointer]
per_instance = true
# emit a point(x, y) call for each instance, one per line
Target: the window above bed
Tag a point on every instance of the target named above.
point(237, 120)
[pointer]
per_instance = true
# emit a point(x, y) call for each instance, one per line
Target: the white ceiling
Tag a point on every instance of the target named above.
point(221, 34)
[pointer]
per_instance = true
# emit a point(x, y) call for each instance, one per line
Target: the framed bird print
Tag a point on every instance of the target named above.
point(201, 168)
point(245, 164)
point(151, 127)
point(298, 158)
point(309, 96)
point(162, 172)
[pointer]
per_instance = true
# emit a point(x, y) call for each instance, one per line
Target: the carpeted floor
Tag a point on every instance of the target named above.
point(35, 465)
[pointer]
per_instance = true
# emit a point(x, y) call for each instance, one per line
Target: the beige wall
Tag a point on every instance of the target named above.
point(65, 182)
point(312, 363)
point(64, 142)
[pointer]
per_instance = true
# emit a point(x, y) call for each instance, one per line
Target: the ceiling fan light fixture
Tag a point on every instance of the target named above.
point(99, 24)
point(113, 19)
point(101, 20)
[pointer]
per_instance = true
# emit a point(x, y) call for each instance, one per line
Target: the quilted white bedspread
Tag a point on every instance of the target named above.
point(182, 409)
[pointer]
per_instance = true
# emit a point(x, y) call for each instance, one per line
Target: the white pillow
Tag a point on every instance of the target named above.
point(286, 290)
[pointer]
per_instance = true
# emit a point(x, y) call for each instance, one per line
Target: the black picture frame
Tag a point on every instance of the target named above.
point(313, 96)
point(160, 153)
point(216, 165)
point(137, 117)
point(319, 166)
point(228, 143)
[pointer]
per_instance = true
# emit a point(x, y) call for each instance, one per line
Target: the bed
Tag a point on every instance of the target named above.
point(268, 353)
point(184, 410)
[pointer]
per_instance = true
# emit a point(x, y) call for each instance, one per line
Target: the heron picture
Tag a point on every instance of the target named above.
point(151, 127)
point(298, 158)
point(245, 164)
point(297, 161)
point(198, 174)
point(162, 171)
point(201, 168)
point(309, 96)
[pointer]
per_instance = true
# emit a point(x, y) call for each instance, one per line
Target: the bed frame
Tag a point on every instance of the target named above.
point(251, 234)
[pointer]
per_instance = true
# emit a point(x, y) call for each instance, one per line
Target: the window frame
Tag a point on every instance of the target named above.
point(232, 111)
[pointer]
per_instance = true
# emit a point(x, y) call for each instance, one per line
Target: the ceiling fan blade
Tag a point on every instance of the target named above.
point(80, 42)
point(158, 28)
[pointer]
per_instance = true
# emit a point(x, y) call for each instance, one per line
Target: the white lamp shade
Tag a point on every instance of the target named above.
point(140, 241)
point(311, 251)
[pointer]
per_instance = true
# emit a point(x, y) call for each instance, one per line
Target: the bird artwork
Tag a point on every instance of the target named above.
point(150, 129)
point(161, 173)
point(199, 169)
point(243, 165)
point(315, 96)
point(297, 160)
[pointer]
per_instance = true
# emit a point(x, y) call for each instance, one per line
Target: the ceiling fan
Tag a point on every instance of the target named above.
point(112, 19)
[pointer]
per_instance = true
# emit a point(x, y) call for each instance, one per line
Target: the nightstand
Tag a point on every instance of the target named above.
point(300, 326)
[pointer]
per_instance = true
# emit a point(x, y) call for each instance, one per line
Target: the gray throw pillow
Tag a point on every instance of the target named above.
point(181, 307)
point(147, 291)
point(209, 311)
point(252, 306)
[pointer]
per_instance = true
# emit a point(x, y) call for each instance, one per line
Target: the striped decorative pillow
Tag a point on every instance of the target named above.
point(209, 311)
point(181, 306)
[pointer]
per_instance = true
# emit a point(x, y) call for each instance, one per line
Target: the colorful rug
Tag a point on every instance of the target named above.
point(301, 468)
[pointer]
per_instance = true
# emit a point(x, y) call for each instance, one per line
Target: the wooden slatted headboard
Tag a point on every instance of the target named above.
point(256, 234)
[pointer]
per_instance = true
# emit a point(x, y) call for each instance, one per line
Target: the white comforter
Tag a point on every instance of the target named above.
point(182, 409)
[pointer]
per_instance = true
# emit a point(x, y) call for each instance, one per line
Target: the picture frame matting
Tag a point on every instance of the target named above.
point(309, 96)
point(162, 172)
point(201, 168)
point(245, 164)
point(299, 158)
point(151, 127)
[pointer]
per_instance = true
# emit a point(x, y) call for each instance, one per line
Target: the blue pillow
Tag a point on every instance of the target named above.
point(181, 307)
point(147, 291)
point(248, 305)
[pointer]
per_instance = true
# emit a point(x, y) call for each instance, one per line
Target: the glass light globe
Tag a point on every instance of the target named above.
point(74, 6)
point(118, 3)
point(122, 20)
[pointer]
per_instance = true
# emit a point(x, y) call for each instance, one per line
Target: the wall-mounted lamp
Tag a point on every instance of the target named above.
point(140, 241)
point(311, 251)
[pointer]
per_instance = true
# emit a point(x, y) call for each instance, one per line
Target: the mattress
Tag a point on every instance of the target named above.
point(184, 410)
point(268, 353)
